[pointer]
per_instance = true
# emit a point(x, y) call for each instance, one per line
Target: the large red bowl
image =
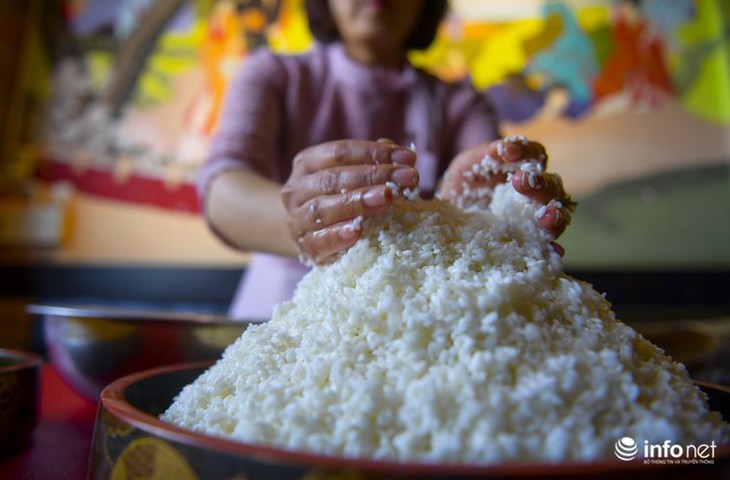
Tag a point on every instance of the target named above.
point(129, 439)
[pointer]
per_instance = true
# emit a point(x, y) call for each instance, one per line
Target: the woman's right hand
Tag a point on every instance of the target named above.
point(335, 185)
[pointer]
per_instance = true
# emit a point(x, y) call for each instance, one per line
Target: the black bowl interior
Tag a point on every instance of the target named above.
point(719, 400)
point(153, 395)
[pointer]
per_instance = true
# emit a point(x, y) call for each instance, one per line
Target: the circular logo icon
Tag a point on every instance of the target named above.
point(626, 449)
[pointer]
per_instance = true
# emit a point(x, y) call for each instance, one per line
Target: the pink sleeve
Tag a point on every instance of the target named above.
point(250, 122)
point(477, 120)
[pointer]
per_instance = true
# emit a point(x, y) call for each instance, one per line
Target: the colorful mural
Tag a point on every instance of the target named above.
point(138, 90)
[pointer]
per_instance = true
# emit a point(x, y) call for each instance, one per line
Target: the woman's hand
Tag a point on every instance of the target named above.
point(509, 154)
point(335, 185)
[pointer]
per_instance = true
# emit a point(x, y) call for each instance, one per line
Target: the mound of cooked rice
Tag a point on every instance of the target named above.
point(452, 336)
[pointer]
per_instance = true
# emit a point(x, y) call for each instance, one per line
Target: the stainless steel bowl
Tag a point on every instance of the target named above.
point(93, 345)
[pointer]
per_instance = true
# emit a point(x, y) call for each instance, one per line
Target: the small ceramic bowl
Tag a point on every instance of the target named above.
point(92, 345)
point(19, 399)
point(129, 437)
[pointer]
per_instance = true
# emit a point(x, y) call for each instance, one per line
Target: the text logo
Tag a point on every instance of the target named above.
point(666, 452)
point(626, 449)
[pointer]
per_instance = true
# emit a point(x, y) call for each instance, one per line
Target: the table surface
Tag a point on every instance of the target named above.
point(62, 440)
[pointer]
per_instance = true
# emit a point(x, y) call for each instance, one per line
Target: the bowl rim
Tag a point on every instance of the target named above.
point(22, 360)
point(134, 314)
point(112, 399)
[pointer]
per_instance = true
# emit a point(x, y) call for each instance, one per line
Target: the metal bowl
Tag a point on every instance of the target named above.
point(19, 394)
point(92, 345)
point(130, 437)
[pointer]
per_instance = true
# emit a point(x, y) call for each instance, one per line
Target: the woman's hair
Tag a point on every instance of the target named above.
point(324, 29)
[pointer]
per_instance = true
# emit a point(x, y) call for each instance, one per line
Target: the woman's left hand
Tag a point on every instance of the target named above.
point(544, 188)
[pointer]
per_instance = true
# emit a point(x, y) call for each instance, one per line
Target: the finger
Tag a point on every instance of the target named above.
point(320, 245)
point(457, 185)
point(465, 170)
point(473, 190)
point(554, 218)
point(470, 168)
point(340, 180)
point(557, 248)
point(350, 152)
point(518, 149)
point(542, 188)
point(323, 211)
point(508, 150)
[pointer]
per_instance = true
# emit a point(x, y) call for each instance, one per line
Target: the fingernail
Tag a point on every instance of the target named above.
point(500, 148)
point(374, 197)
point(403, 156)
point(557, 218)
point(405, 177)
point(532, 181)
point(349, 230)
point(551, 216)
point(512, 151)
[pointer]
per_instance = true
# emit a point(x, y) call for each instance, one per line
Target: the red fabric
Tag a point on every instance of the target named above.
point(135, 189)
point(62, 441)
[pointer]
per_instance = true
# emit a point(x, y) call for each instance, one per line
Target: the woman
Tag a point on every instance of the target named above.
point(330, 126)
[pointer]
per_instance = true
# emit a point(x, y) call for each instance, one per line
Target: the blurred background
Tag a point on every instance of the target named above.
point(107, 107)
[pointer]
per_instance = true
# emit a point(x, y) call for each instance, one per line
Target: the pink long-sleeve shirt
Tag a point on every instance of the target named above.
point(278, 105)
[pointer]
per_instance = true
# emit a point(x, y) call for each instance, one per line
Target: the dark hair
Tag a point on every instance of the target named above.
point(432, 13)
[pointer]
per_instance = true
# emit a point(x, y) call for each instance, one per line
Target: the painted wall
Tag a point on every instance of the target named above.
point(632, 100)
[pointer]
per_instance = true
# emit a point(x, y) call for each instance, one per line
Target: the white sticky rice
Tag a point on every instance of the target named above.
point(452, 336)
